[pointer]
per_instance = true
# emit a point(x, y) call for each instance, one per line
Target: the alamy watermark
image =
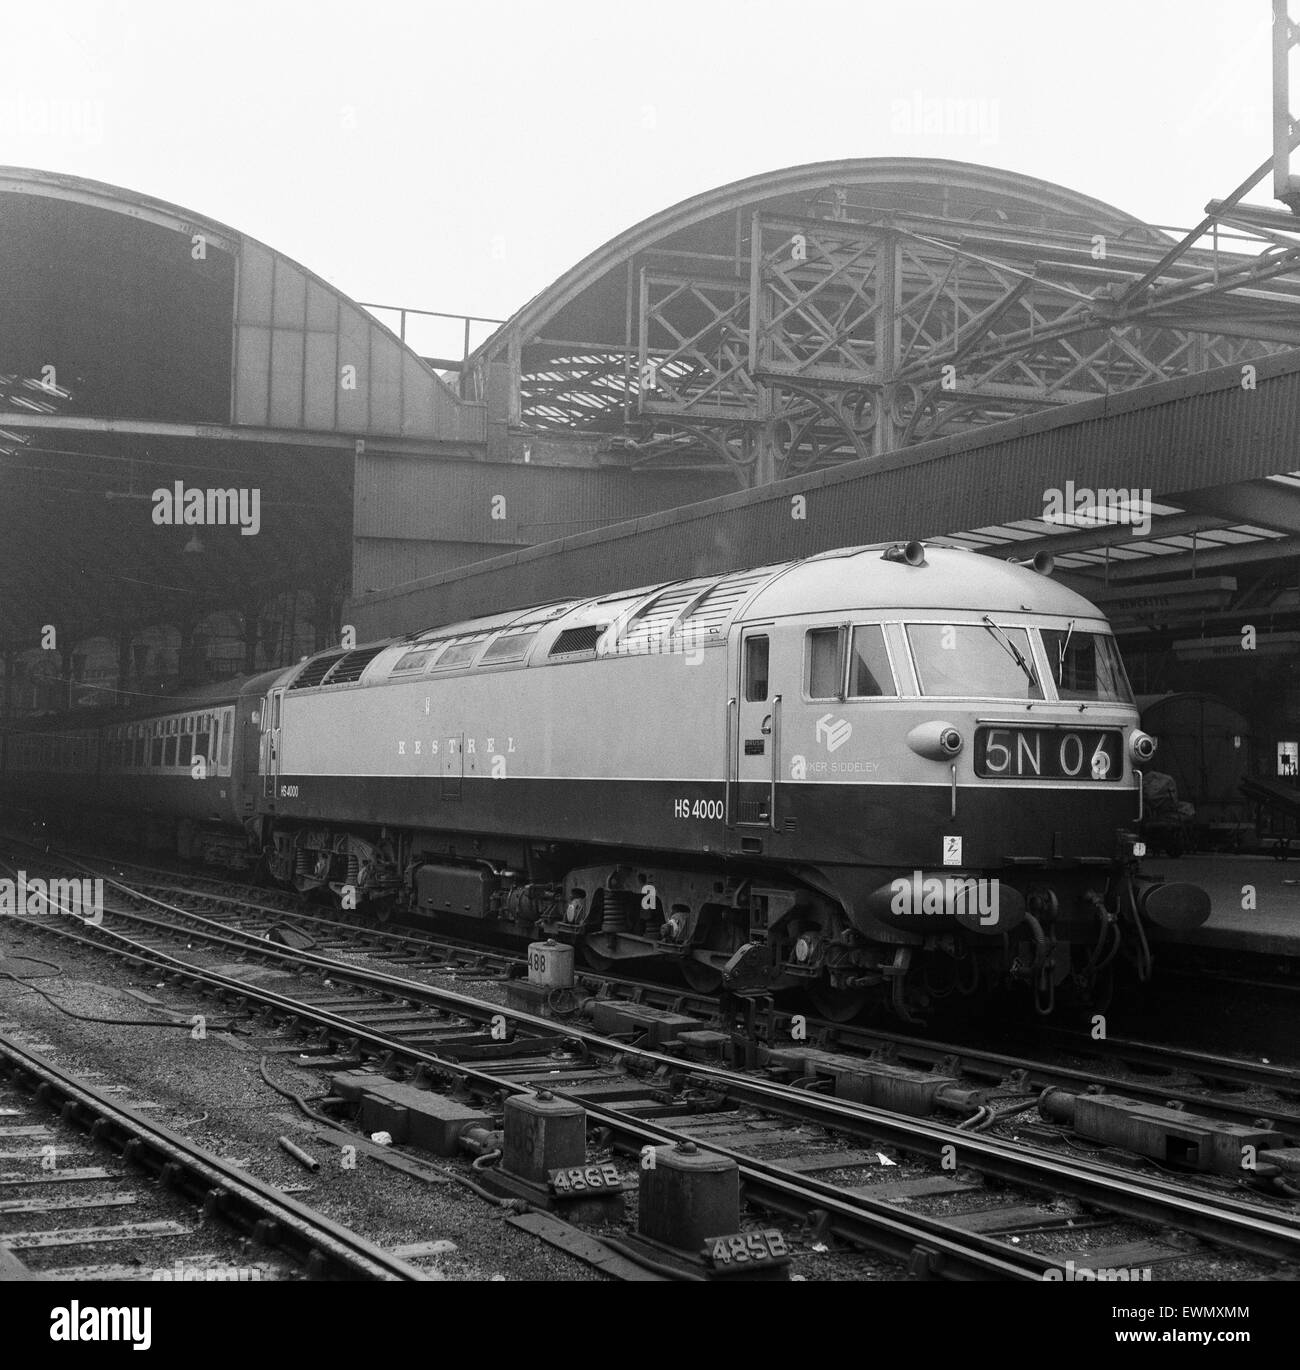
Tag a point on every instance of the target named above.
point(183, 1270)
point(73, 121)
point(921, 895)
point(82, 899)
point(946, 116)
point(179, 507)
point(1083, 507)
point(1071, 1273)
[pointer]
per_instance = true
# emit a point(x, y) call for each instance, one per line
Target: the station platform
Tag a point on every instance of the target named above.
point(1271, 928)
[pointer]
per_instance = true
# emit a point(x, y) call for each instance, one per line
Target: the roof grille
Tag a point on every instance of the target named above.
point(574, 640)
point(715, 611)
point(315, 670)
point(645, 633)
point(349, 669)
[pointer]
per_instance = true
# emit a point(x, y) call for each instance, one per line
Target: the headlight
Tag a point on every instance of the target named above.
point(1141, 746)
point(936, 741)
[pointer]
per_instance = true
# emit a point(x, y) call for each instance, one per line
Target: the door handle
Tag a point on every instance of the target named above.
point(766, 729)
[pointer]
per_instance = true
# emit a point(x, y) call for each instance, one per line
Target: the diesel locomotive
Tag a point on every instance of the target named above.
point(885, 773)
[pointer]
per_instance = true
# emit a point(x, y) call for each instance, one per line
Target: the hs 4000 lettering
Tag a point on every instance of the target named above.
point(699, 808)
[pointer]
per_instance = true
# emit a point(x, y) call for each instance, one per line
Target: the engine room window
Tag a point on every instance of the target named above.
point(1086, 666)
point(755, 668)
point(825, 667)
point(458, 654)
point(974, 661)
point(512, 647)
point(869, 670)
point(412, 661)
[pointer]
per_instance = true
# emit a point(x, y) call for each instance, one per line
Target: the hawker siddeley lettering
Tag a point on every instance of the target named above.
point(418, 747)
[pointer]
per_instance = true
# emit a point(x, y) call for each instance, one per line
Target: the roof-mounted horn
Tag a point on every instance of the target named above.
point(1044, 563)
point(913, 553)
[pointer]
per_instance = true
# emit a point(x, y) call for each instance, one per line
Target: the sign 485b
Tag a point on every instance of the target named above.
point(748, 1249)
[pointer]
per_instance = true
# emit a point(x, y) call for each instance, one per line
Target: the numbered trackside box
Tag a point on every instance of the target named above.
point(585, 1181)
point(763, 1254)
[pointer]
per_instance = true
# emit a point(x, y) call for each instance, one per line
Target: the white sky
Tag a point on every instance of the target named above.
point(461, 156)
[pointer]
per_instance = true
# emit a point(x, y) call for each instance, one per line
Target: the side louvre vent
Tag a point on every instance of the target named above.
point(349, 669)
point(574, 640)
point(315, 670)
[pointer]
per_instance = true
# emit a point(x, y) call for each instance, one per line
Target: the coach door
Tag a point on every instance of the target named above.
point(271, 724)
point(755, 744)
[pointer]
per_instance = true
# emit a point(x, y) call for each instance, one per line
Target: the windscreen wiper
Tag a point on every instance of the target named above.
point(1061, 651)
point(1011, 647)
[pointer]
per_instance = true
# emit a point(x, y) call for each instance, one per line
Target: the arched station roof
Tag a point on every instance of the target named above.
point(144, 344)
point(806, 317)
point(587, 302)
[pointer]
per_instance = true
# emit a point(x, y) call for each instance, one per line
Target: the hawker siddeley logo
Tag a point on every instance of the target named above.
point(209, 508)
point(833, 732)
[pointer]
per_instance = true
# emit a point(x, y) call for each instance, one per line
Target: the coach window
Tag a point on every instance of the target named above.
point(185, 745)
point(755, 668)
point(870, 674)
point(203, 738)
point(227, 731)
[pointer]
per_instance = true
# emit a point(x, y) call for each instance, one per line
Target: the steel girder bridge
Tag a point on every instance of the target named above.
point(830, 312)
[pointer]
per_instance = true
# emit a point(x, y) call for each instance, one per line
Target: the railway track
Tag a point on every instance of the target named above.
point(641, 1097)
point(415, 950)
point(84, 1174)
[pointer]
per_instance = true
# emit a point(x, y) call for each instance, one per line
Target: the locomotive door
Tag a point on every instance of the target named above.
point(754, 750)
point(271, 755)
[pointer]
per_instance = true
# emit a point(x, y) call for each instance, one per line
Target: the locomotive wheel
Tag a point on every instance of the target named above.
point(839, 1005)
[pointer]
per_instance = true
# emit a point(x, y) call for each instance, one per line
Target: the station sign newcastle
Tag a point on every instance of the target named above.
point(1206, 648)
point(1177, 596)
